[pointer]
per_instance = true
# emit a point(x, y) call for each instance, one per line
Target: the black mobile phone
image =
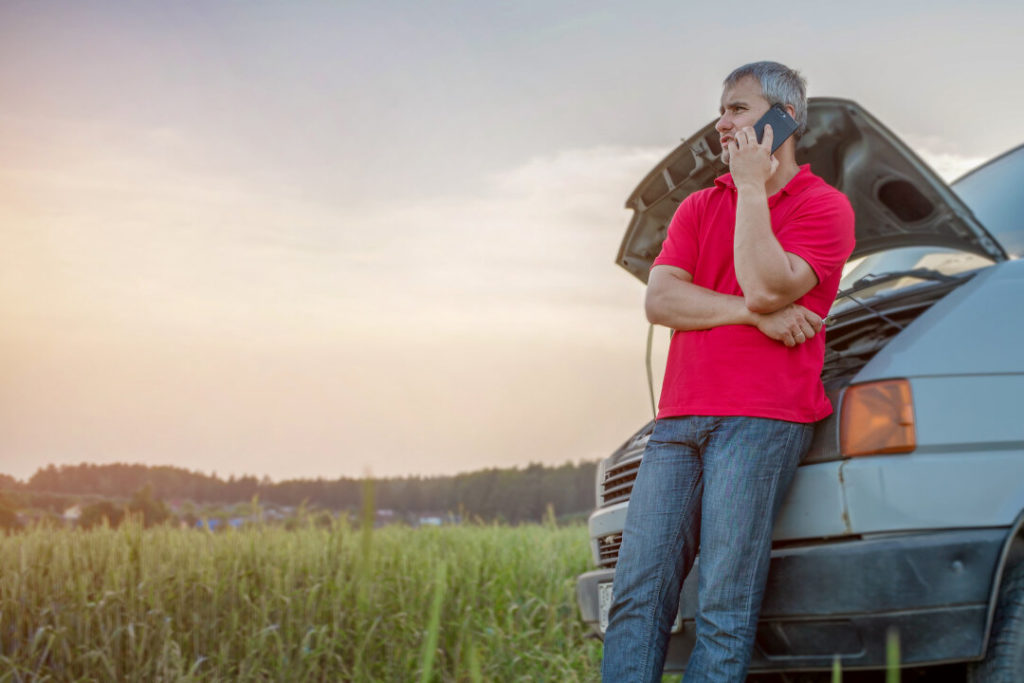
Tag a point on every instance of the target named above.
point(783, 125)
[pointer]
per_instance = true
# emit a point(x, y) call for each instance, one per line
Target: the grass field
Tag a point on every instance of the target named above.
point(467, 603)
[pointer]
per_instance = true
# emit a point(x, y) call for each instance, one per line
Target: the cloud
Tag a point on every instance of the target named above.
point(950, 166)
point(133, 239)
point(137, 239)
point(943, 156)
point(539, 235)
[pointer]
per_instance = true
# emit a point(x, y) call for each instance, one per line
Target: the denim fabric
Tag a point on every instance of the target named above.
point(716, 483)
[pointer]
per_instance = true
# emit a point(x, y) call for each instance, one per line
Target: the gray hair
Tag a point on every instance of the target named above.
point(779, 85)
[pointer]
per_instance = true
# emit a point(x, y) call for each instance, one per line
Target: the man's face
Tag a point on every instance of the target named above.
point(742, 105)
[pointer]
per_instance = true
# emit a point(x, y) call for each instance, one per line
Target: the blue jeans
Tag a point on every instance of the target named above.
point(716, 482)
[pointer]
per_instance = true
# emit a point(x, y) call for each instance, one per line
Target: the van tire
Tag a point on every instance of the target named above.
point(1004, 657)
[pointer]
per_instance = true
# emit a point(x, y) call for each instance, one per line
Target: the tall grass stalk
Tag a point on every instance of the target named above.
point(892, 657)
point(433, 626)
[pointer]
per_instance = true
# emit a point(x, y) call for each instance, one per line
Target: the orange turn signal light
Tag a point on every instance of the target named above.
point(877, 418)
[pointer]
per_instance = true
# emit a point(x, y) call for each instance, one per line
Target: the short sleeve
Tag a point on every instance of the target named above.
point(821, 232)
point(681, 245)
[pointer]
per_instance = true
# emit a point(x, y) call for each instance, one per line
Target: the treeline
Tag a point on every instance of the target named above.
point(512, 495)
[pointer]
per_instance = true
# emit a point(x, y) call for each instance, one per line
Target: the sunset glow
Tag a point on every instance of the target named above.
point(305, 240)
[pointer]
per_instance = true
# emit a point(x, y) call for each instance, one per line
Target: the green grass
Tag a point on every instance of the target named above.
point(470, 603)
point(265, 604)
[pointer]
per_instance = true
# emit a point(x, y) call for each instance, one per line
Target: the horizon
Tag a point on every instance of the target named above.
point(301, 241)
point(368, 476)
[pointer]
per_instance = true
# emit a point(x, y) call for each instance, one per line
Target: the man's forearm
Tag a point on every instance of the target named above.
point(686, 306)
point(763, 269)
point(674, 301)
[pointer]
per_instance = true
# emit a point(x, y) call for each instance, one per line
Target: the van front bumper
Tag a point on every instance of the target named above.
point(842, 598)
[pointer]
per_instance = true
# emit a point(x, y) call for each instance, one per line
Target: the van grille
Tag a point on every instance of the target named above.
point(608, 550)
point(618, 481)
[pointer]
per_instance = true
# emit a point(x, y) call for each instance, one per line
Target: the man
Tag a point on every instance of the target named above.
point(748, 269)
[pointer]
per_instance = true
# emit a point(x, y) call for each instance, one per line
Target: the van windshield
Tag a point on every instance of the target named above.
point(992, 192)
point(885, 273)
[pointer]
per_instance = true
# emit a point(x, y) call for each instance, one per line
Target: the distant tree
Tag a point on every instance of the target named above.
point(322, 518)
point(152, 509)
point(47, 479)
point(511, 494)
point(94, 514)
point(46, 520)
point(8, 515)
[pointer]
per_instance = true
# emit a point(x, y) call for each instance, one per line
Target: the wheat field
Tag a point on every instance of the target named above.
point(334, 603)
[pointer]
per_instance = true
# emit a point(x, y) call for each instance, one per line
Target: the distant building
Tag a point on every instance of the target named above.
point(72, 514)
point(214, 523)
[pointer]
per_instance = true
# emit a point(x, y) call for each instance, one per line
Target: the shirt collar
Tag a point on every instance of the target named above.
point(796, 184)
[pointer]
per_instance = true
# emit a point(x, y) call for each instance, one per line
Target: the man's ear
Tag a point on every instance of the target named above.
point(792, 110)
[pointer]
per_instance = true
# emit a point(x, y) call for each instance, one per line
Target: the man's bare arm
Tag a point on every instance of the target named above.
point(770, 277)
point(674, 301)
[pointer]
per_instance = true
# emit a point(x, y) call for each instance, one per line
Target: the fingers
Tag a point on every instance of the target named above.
point(803, 332)
point(808, 316)
point(792, 325)
point(805, 325)
point(809, 325)
point(747, 135)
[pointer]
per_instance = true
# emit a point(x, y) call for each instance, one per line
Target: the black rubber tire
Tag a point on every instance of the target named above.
point(1004, 657)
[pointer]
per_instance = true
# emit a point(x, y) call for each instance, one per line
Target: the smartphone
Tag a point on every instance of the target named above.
point(783, 125)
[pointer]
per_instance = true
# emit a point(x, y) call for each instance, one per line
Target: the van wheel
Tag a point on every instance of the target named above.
point(1004, 658)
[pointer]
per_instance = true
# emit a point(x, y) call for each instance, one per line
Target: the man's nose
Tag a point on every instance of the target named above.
point(723, 124)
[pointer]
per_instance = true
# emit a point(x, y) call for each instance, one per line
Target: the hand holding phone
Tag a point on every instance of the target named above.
point(783, 125)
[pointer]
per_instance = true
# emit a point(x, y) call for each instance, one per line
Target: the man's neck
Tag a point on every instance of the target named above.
point(786, 171)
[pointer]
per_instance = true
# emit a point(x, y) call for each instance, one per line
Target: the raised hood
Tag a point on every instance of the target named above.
point(898, 200)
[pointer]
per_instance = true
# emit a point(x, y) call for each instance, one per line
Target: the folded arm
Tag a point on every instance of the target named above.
point(770, 277)
point(674, 301)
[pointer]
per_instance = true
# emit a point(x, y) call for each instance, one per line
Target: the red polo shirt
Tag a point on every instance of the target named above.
point(735, 369)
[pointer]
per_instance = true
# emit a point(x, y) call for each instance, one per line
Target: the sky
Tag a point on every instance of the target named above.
point(322, 239)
